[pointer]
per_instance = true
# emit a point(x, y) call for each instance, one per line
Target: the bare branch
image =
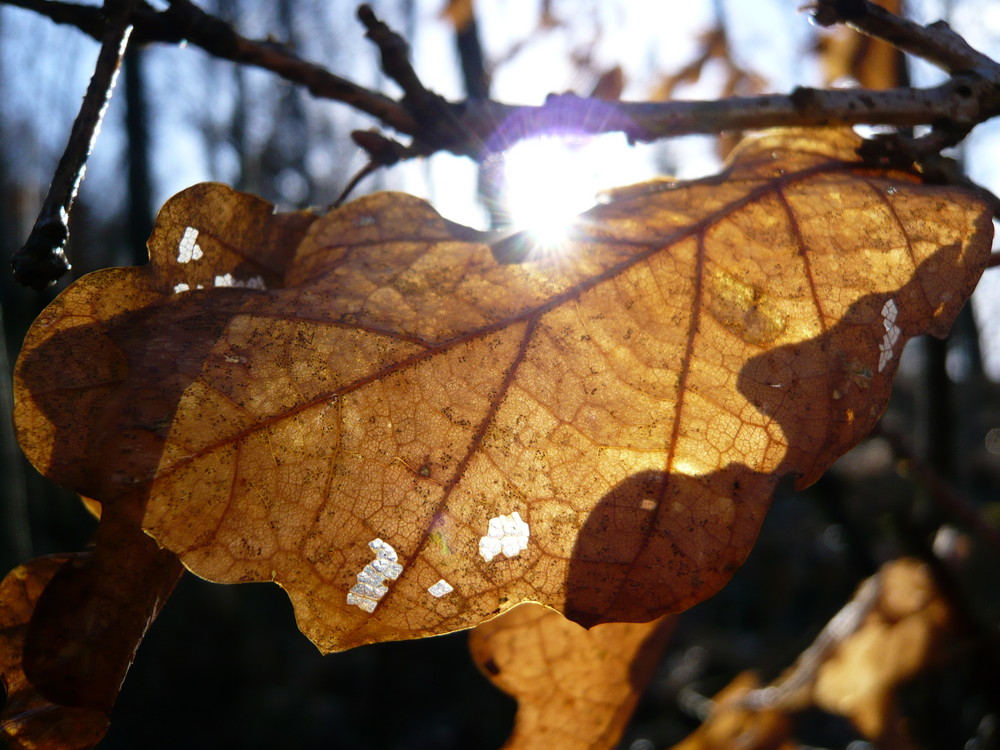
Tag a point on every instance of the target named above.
point(479, 127)
point(964, 101)
point(185, 22)
point(936, 43)
point(42, 258)
point(439, 125)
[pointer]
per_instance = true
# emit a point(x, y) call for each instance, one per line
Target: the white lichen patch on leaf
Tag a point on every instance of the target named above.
point(892, 333)
point(255, 282)
point(370, 588)
point(508, 534)
point(188, 248)
point(441, 588)
point(225, 280)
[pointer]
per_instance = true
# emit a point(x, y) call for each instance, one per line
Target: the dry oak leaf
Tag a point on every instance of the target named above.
point(411, 437)
point(901, 635)
point(109, 397)
point(574, 687)
point(731, 725)
point(69, 630)
point(895, 626)
point(30, 719)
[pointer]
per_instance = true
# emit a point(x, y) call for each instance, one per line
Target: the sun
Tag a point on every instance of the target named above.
point(550, 180)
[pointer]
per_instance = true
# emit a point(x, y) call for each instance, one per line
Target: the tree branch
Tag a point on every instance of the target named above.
point(936, 43)
point(964, 101)
point(185, 22)
point(42, 258)
point(479, 127)
point(439, 122)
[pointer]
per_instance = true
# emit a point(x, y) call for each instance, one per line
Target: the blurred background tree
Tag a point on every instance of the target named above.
point(225, 666)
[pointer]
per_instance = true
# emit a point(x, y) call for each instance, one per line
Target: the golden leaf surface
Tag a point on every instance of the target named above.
point(574, 687)
point(411, 437)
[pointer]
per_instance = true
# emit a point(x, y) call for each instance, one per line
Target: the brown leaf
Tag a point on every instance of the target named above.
point(111, 403)
point(574, 687)
point(900, 636)
point(29, 718)
point(411, 437)
point(69, 629)
point(733, 726)
point(94, 613)
point(894, 627)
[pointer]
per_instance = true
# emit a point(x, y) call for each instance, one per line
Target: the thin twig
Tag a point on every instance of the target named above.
point(42, 258)
point(184, 22)
point(439, 122)
point(787, 692)
point(936, 43)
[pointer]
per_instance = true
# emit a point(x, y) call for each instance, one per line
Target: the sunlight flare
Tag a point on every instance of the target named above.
point(549, 180)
